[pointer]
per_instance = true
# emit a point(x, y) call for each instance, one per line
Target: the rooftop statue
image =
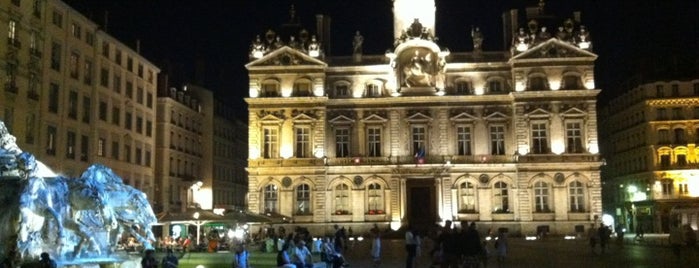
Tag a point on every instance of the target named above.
point(76, 220)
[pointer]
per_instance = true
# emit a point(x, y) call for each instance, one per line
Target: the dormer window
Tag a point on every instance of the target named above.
point(462, 88)
point(495, 87)
point(342, 89)
point(373, 90)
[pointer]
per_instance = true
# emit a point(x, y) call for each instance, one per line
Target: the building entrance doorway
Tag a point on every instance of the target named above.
point(421, 205)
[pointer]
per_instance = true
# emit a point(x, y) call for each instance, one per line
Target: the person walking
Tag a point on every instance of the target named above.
point(501, 247)
point(376, 247)
point(302, 257)
point(472, 248)
point(603, 233)
point(449, 244)
point(241, 257)
point(592, 236)
point(411, 244)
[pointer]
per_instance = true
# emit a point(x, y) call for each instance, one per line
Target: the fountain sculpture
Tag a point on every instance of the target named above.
point(76, 220)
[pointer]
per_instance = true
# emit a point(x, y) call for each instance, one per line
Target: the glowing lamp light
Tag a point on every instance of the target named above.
point(357, 160)
point(395, 94)
point(593, 148)
point(230, 233)
point(286, 151)
point(607, 220)
point(557, 147)
point(521, 47)
point(314, 53)
point(530, 238)
point(219, 211)
point(254, 93)
point(584, 45)
point(440, 92)
point(257, 54)
point(254, 153)
point(395, 225)
point(318, 154)
point(569, 237)
point(519, 86)
point(632, 189)
point(286, 92)
point(318, 91)
point(523, 150)
point(360, 239)
point(590, 84)
point(200, 266)
point(555, 85)
point(479, 91)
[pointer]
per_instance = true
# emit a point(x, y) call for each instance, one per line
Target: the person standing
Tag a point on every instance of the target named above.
point(501, 247)
point(411, 243)
point(241, 257)
point(302, 257)
point(449, 245)
point(148, 260)
point(376, 247)
point(603, 234)
point(170, 260)
point(592, 235)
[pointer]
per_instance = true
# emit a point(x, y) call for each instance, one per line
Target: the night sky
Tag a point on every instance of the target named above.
point(648, 36)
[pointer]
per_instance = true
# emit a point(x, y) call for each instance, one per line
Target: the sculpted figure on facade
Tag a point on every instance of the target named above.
point(477, 37)
point(357, 43)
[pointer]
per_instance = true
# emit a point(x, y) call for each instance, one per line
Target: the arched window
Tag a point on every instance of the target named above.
point(537, 83)
point(496, 86)
point(270, 89)
point(463, 87)
point(680, 138)
point(501, 200)
point(302, 88)
point(271, 198)
point(375, 198)
point(303, 199)
point(576, 192)
point(373, 90)
point(541, 197)
point(342, 199)
point(342, 89)
point(663, 136)
point(571, 81)
point(467, 197)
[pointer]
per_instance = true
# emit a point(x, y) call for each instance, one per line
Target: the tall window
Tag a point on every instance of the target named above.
point(497, 140)
point(303, 142)
point(342, 142)
point(463, 88)
point(577, 196)
point(87, 72)
point(115, 150)
point(101, 146)
point(84, 147)
point(271, 198)
point(270, 143)
point(74, 65)
point(664, 160)
point(661, 114)
point(70, 145)
point(537, 83)
point(86, 110)
point(574, 137)
point(56, 56)
point(116, 115)
point(463, 140)
point(302, 88)
point(467, 197)
point(374, 141)
point(342, 90)
point(12, 32)
point(679, 136)
point(375, 195)
point(419, 140)
point(541, 197)
point(571, 82)
point(495, 86)
point(73, 105)
point(103, 111)
point(501, 200)
point(342, 199)
point(539, 139)
point(663, 136)
point(270, 89)
point(53, 97)
point(303, 199)
point(104, 77)
point(667, 187)
point(51, 140)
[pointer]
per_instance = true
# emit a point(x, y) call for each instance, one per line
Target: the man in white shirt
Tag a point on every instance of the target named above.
point(301, 256)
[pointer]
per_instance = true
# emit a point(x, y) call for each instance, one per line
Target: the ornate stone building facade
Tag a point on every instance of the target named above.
point(422, 134)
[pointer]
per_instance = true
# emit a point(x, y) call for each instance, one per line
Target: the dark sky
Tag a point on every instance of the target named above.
point(177, 35)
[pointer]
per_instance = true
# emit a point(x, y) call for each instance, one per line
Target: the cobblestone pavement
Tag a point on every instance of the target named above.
point(550, 252)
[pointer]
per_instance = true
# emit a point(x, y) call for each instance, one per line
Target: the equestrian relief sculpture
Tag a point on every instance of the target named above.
point(75, 220)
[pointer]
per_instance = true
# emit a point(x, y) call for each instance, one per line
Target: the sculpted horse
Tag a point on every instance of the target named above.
point(129, 207)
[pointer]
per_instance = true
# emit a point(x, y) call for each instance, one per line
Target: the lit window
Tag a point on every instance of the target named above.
point(501, 200)
point(342, 199)
point(375, 198)
point(342, 142)
point(373, 90)
point(576, 192)
point(419, 140)
point(101, 143)
point(541, 197)
point(463, 88)
point(467, 197)
point(463, 140)
point(270, 143)
point(374, 141)
point(574, 137)
point(667, 187)
point(303, 142)
point(497, 140)
point(539, 138)
point(303, 199)
point(271, 198)
point(51, 140)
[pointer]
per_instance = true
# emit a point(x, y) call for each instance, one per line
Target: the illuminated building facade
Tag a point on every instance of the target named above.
point(422, 134)
point(650, 135)
point(73, 95)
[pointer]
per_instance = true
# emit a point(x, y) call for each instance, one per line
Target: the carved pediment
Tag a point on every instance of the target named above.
point(286, 56)
point(418, 117)
point(538, 112)
point(341, 120)
point(496, 116)
point(574, 112)
point(271, 116)
point(463, 116)
point(554, 48)
point(303, 117)
point(375, 118)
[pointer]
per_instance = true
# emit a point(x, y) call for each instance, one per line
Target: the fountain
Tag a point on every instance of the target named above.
point(78, 221)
